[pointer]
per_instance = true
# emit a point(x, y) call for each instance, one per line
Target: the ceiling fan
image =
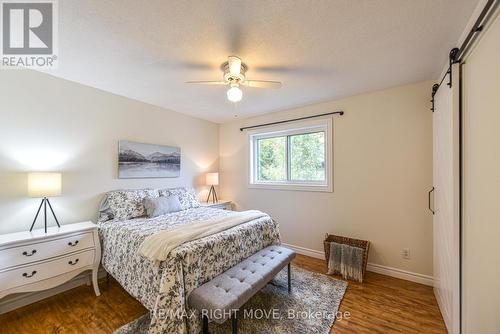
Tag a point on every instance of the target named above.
point(234, 76)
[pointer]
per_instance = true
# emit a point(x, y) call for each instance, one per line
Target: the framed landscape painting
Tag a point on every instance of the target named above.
point(138, 160)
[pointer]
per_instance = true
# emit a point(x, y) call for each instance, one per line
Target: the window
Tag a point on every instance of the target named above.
point(292, 157)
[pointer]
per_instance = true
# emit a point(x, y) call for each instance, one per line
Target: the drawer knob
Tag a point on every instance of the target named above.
point(25, 253)
point(29, 275)
point(73, 244)
point(73, 262)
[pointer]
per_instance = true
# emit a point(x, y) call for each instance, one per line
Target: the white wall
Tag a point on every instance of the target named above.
point(382, 166)
point(50, 124)
point(382, 172)
point(481, 185)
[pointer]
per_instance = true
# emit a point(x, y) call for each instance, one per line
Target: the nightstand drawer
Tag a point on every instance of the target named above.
point(44, 270)
point(221, 206)
point(19, 255)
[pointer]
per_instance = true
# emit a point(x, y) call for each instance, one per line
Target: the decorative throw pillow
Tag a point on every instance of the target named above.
point(105, 212)
point(158, 206)
point(186, 195)
point(124, 204)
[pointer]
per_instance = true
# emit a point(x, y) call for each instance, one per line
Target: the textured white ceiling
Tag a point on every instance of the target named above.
point(320, 50)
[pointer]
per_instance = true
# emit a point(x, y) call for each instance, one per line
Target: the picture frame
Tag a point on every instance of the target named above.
point(141, 160)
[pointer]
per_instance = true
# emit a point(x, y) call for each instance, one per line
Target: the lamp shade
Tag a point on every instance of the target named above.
point(44, 184)
point(213, 179)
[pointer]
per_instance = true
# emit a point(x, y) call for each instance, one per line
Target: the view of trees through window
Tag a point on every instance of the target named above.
point(272, 159)
point(307, 157)
point(292, 158)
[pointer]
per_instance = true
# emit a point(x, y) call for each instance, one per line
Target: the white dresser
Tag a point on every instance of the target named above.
point(33, 261)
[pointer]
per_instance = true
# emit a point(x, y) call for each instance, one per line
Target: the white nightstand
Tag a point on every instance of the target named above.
point(33, 261)
point(224, 205)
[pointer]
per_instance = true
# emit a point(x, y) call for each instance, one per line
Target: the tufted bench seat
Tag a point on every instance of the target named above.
point(220, 298)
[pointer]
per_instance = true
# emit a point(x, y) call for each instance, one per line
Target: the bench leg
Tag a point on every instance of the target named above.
point(289, 277)
point(205, 324)
point(234, 323)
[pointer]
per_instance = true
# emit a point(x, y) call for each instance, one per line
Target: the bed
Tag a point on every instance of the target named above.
point(163, 287)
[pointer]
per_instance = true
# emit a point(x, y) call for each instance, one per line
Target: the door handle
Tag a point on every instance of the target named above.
point(429, 200)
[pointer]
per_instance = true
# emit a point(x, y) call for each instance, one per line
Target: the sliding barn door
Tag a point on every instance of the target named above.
point(445, 201)
point(481, 184)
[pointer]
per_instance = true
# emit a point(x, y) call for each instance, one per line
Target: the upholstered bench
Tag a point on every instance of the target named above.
point(220, 298)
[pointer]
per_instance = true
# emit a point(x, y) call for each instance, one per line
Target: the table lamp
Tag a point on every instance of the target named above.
point(44, 185)
point(212, 180)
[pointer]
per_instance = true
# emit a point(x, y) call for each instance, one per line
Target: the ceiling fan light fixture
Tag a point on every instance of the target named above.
point(234, 94)
point(234, 76)
point(234, 64)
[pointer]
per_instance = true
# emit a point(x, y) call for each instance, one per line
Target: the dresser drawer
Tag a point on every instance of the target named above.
point(20, 255)
point(44, 270)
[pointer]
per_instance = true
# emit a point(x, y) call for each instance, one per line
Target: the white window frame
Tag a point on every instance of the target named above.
point(293, 128)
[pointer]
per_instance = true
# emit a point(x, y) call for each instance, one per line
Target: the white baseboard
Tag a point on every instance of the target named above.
point(373, 267)
point(400, 273)
point(306, 251)
point(15, 301)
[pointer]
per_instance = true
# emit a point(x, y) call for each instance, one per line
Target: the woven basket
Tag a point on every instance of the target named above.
point(365, 245)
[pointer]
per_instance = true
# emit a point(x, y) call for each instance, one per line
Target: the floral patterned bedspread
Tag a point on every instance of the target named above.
point(163, 287)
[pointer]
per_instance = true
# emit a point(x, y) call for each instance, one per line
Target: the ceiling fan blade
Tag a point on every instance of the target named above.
point(234, 65)
point(261, 84)
point(207, 82)
point(304, 70)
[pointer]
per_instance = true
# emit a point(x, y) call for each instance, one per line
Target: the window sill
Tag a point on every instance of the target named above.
point(291, 187)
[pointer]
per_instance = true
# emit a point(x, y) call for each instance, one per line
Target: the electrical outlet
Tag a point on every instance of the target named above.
point(405, 253)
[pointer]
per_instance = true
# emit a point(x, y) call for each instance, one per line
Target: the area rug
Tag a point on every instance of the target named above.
point(311, 307)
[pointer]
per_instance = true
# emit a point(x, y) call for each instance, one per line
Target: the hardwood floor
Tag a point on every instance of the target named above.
point(381, 304)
